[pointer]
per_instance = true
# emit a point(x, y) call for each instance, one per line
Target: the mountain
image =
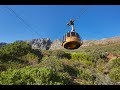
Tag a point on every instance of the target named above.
point(41, 43)
point(47, 44)
point(56, 44)
point(104, 41)
point(2, 44)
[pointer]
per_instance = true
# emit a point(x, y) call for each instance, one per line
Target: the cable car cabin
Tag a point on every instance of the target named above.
point(71, 40)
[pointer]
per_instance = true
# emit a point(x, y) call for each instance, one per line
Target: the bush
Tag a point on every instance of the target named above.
point(11, 65)
point(113, 63)
point(52, 63)
point(85, 74)
point(102, 79)
point(3, 67)
point(16, 49)
point(46, 53)
point(31, 58)
point(37, 52)
point(115, 74)
point(61, 54)
point(63, 78)
point(80, 56)
point(70, 70)
point(33, 76)
point(26, 76)
point(116, 62)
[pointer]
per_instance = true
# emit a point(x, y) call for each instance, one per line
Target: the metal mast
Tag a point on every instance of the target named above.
point(71, 23)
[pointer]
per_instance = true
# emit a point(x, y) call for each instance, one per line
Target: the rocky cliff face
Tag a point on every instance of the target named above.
point(104, 41)
point(41, 43)
point(46, 44)
point(56, 45)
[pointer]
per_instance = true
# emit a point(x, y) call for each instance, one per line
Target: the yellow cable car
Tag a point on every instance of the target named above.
point(72, 40)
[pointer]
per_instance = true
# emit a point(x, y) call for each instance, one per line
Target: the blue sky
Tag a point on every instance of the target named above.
point(99, 21)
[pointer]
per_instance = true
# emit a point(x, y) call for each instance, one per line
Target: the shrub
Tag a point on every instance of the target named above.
point(11, 65)
point(116, 62)
point(113, 63)
point(115, 74)
point(84, 74)
point(52, 63)
point(26, 76)
point(46, 53)
point(15, 49)
point(102, 79)
point(63, 78)
point(70, 70)
point(80, 56)
point(31, 58)
point(37, 52)
point(61, 54)
point(3, 67)
point(33, 76)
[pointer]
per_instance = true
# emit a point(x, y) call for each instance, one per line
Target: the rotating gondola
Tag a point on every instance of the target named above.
point(72, 39)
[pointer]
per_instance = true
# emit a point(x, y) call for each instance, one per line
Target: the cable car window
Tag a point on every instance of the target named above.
point(72, 33)
point(68, 34)
point(77, 35)
point(63, 38)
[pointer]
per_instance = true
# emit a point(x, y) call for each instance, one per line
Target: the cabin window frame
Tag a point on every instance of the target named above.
point(68, 34)
point(73, 33)
point(77, 35)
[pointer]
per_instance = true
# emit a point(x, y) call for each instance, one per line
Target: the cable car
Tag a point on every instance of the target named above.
point(72, 39)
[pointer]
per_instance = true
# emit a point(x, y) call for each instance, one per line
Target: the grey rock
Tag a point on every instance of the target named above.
point(104, 41)
point(57, 44)
point(41, 43)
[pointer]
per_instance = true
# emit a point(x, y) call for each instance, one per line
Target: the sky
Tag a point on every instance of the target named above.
point(49, 21)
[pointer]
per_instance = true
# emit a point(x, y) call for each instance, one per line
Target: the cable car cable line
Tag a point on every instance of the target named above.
point(21, 19)
point(71, 40)
point(84, 10)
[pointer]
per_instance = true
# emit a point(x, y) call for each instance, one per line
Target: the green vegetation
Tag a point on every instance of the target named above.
point(22, 65)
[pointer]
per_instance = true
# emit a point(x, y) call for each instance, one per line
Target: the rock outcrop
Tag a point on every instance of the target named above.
point(104, 41)
point(56, 45)
point(41, 43)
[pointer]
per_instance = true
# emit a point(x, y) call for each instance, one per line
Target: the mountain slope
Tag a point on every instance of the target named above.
point(47, 44)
